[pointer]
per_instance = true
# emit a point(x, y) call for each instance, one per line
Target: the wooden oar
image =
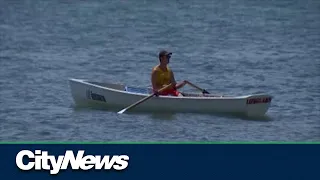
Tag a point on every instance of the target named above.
point(202, 90)
point(143, 100)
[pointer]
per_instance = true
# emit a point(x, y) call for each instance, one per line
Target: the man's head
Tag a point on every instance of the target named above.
point(164, 56)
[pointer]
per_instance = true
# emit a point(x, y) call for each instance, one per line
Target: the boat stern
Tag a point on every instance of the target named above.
point(258, 105)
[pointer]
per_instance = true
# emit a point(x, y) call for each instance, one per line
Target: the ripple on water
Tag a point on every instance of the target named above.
point(233, 50)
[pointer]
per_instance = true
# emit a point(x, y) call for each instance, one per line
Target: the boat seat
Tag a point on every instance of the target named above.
point(137, 90)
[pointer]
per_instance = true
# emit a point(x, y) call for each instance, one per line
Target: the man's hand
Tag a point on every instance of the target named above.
point(174, 86)
point(205, 91)
point(156, 93)
point(180, 85)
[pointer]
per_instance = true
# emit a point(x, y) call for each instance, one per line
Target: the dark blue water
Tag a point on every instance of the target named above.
point(228, 47)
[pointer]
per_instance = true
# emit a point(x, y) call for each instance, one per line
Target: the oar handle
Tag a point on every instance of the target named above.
point(203, 90)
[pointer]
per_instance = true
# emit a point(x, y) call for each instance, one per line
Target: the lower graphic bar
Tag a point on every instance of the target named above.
point(160, 161)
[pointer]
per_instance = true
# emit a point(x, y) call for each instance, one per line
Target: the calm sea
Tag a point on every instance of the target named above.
point(229, 47)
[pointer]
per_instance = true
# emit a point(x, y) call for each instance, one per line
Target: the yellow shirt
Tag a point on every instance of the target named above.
point(163, 77)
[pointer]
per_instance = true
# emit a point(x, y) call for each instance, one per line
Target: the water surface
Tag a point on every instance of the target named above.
point(228, 47)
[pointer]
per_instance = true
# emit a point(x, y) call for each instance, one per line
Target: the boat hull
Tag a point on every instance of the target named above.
point(114, 96)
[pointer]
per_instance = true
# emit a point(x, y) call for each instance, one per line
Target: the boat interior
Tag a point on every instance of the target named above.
point(109, 85)
point(144, 90)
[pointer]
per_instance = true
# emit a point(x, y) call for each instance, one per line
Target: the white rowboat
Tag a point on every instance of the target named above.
point(118, 96)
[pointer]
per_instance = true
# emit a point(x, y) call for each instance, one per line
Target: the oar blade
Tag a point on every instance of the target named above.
point(122, 111)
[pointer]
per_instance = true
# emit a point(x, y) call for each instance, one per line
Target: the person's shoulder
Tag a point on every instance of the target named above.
point(155, 68)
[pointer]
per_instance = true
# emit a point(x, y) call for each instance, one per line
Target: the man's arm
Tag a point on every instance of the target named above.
point(178, 86)
point(173, 80)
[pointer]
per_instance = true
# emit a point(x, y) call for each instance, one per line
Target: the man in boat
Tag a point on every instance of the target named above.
point(162, 76)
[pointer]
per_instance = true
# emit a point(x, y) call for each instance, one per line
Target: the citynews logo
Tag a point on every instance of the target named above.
point(40, 160)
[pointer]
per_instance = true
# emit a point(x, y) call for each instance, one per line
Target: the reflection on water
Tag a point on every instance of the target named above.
point(163, 116)
point(265, 118)
point(173, 115)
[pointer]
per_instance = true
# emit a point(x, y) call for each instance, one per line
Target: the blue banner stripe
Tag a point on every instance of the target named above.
point(225, 161)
